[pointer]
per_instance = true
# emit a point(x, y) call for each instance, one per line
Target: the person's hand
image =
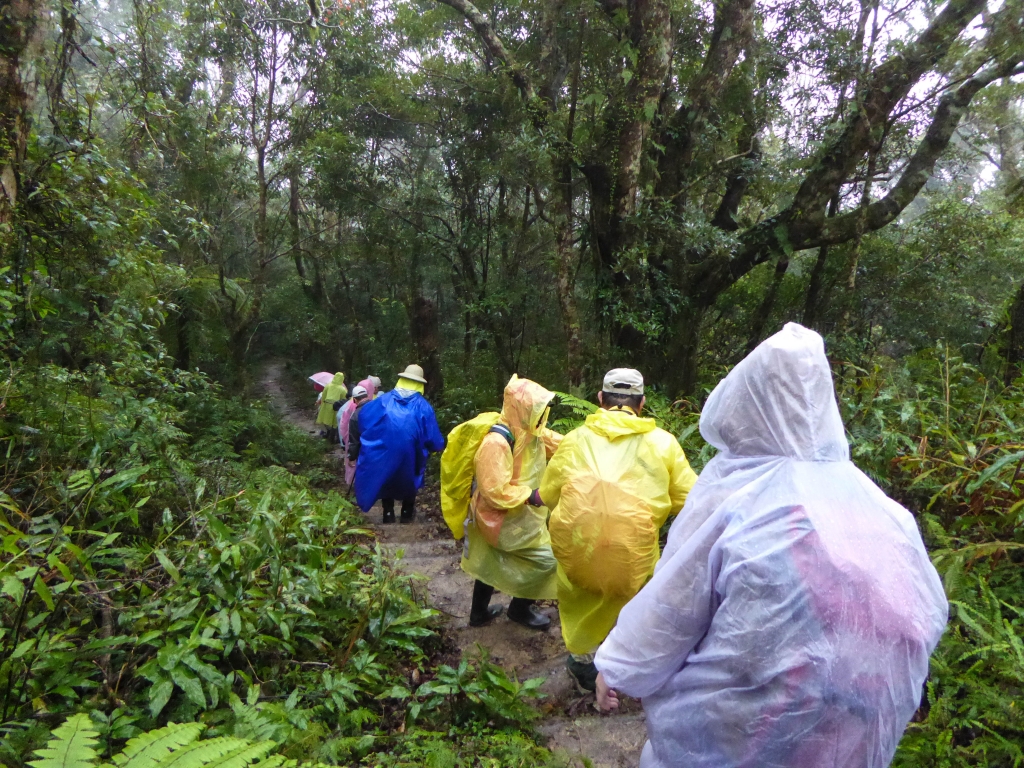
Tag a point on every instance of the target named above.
point(607, 699)
point(535, 499)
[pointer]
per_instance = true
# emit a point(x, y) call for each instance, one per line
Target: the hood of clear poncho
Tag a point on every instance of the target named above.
point(779, 401)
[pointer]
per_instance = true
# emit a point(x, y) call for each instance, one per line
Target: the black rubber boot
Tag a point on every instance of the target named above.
point(482, 612)
point(388, 505)
point(584, 673)
point(524, 612)
point(408, 511)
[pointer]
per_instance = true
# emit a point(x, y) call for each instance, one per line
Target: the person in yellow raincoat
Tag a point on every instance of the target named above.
point(611, 486)
point(507, 546)
point(327, 417)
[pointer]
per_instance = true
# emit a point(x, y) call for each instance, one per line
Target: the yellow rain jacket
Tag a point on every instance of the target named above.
point(332, 393)
point(611, 486)
point(507, 543)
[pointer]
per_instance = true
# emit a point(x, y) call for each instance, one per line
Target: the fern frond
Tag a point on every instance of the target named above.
point(202, 753)
point(148, 749)
point(245, 755)
point(577, 405)
point(579, 409)
point(70, 745)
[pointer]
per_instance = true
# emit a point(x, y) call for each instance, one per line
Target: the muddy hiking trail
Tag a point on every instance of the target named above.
point(569, 721)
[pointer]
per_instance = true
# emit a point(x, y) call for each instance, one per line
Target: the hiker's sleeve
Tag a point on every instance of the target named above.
point(551, 441)
point(434, 439)
point(354, 433)
point(681, 476)
point(557, 473)
point(660, 627)
point(493, 465)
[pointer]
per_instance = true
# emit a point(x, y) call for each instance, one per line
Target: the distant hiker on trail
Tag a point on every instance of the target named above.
point(790, 620)
point(344, 421)
point(397, 431)
point(611, 485)
point(331, 399)
point(507, 546)
point(360, 397)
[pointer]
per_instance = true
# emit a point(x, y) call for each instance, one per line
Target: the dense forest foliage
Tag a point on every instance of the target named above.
point(188, 189)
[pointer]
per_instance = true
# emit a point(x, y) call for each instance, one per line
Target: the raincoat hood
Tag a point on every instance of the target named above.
point(410, 385)
point(524, 406)
point(368, 385)
point(779, 401)
point(339, 378)
point(618, 423)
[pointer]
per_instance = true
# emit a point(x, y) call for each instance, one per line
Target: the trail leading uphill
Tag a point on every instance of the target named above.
point(425, 547)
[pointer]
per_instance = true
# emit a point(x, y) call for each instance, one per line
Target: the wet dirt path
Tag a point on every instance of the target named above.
point(425, 547)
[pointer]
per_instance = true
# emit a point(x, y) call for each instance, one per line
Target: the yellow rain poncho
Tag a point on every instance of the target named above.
point(332, 393)
point(507, 543)
point(611, 486)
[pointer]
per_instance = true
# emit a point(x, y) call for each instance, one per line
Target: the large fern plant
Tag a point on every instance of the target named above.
point(72, 745)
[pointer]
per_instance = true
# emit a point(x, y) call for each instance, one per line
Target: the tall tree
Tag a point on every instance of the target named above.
point(683, 198)
point(21, 31)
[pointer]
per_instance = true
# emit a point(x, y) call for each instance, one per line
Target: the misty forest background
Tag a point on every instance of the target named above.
point(189, 190)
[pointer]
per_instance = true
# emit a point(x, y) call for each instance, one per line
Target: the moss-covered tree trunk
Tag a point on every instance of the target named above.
point(20, 34)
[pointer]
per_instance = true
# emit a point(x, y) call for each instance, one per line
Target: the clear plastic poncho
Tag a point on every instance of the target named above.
point(791, 617)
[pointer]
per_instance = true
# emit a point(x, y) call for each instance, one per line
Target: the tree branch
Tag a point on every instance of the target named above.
point(947, 116)
point(495, 47)
point(886, 86)
point(732, 32)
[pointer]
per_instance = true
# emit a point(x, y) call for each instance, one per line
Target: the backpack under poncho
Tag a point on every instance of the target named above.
point(457, 469)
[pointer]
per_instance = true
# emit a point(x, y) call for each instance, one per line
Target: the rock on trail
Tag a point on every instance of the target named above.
point(425, 547)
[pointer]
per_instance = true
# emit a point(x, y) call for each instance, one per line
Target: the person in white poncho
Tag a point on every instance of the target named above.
point(791, 617)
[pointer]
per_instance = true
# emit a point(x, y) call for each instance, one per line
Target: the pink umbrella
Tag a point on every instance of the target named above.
point(323, 378)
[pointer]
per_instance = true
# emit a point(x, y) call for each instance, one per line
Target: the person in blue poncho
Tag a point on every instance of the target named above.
point(397, 431)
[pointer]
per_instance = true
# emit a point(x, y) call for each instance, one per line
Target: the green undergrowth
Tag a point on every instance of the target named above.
point(77, 744)
point(168, 558)
point(945, 439)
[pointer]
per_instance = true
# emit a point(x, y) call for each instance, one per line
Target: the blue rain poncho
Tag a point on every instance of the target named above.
point(791, 617)
point(397, 431)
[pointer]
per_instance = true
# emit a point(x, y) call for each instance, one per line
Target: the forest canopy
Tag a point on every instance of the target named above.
point(190, 189)
point(539, 188)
